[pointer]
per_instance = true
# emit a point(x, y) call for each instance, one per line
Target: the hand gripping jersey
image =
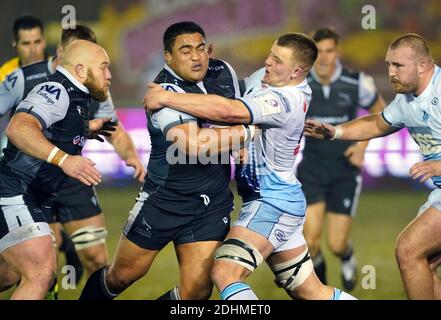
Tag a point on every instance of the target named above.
point(422, 117)
point(280, 114)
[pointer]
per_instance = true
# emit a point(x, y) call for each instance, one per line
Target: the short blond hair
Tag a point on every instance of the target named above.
point(417, 43)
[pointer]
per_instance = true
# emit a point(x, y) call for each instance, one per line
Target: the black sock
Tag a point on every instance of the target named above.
point(320, 267)
point(172, 294)
point(96, 287)
point(348, 253)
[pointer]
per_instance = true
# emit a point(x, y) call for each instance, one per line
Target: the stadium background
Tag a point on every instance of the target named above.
point(242, 32)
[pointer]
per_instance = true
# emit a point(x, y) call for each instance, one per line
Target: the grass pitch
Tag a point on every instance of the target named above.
point(380, 218)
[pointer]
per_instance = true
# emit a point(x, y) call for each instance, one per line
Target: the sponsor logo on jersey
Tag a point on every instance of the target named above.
point(216, 68)
point(435, 101)
point(12, 78)
point(284, 101)
point(170, 88)
point(36, 76)
point(79, 140)
point(267, 104)
point(52, 90)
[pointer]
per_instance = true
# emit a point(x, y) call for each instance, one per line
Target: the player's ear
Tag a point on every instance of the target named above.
point(81, 71)
point(60, 51)
point(167, 57)
point(210, 51)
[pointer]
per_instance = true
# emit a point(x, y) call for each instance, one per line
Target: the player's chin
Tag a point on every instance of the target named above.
point(198, 75)
point(101, 95)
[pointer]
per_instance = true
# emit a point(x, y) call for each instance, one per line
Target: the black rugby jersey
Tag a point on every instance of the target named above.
point(61, 105)
point(188, 178)
point(336, 103)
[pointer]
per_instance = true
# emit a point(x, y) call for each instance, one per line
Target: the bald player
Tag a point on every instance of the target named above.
point(42, 153)
point(417, 81)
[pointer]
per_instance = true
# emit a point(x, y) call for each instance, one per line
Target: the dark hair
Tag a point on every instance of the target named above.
point(325, 33)
point(26, 23)
point(175, 30)
point(304, 48)
point(414, 41)
point(80, 32)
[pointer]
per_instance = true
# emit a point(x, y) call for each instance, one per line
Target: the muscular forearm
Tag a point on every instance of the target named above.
point(195, 141)
point(25, 132)
point(211, 107)
point(365, 128)
point(122, 143)
point(221, 140)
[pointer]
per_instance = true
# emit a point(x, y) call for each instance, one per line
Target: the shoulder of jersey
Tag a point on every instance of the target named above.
point(52, 91)
point(172, 87)
point(347, 72)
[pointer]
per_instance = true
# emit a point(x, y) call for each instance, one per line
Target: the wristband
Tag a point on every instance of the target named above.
point(338, 133)
point(56, 156)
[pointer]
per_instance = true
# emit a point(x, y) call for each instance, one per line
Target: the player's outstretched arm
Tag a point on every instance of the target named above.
point(25, 132)
point(363, 128)
point(206, 106)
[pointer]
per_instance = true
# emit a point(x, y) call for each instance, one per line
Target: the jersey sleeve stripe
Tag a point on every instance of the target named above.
point(388, 122)
point(36, 115)
point(175, 123)
point(249, 109)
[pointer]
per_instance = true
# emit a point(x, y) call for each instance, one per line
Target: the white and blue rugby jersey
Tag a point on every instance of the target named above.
point(280, 114)
point(422, 117)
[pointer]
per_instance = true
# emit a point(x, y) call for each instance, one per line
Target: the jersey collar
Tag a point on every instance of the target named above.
point(67, 74)
point(335, 76)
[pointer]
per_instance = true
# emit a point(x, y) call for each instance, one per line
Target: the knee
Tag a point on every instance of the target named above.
point(220, 274)
point(196, 291)
point(338, 248)
point(43, 278)
point(404, 250)
point(313, 245)
point(93, 258)
point(224, 273)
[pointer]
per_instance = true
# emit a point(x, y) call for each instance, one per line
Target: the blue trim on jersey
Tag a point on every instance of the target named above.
point(249, 110)
point(233, 289)
point(36, 115)
point(336, 295)
point(384, 118)
point(176, 123)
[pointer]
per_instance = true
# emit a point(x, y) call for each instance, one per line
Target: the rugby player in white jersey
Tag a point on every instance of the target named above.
point(417, 81)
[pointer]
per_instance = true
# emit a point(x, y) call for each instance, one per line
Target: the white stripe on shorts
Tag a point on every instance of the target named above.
point(16, 212)
point(135, 211)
